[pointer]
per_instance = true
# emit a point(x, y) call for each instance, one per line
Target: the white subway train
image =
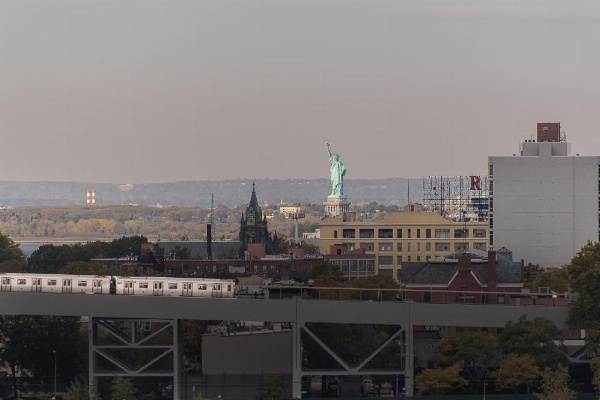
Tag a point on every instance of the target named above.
point(117, 285)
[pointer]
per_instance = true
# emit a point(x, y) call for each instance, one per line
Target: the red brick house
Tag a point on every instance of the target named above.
point(466, 278)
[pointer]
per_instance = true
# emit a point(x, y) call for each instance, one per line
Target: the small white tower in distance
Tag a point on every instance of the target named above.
point(91, 197)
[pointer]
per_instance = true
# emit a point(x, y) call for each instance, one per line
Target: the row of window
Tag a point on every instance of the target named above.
point(350, 233)
point(67, 282)
point(355, 265)
point(408, 247)
point(389, 260)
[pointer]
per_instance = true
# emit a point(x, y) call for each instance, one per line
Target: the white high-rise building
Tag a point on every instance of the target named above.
point(544, 203)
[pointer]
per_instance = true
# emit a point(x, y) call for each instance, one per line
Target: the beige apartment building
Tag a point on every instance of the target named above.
point(403, 237)
point(285, 210)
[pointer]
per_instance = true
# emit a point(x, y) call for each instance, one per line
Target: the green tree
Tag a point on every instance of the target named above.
point(29, 342)
point(530, 272)
point(180, 253)
point(12, 266)
point(122, 389)
point(555, 385)
point(49, 258)
point(324, 274)
point(9, 250)
point(537, 338)
point(595, 367)
point(588, 257)
point(584, 277)
point(12, 346)
point(12, 258)
point(310, 248)
point(556, 279)
point(124, 246)
point(516, 372)
point(191, 336)
point(439, 381)
point(90, 268)
point(78, 390)
point(271, 388)
point(52, 259)
point(476, 352)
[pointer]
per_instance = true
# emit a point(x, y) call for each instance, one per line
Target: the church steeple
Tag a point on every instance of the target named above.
point(253, 226)
point(253, 201)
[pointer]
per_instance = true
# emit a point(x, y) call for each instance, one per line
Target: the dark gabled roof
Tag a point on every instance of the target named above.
point(502, 274)
point(441, 273)
point(427, 273)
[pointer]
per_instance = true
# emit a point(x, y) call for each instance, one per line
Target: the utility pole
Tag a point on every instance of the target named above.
point(54, 351)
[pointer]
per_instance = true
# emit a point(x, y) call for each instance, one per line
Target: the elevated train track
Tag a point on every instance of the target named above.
point(298, 311)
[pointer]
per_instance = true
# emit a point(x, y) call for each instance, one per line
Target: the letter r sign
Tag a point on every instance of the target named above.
point(475, 182)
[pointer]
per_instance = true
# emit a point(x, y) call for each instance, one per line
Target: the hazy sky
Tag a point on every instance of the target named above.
point(140, 91)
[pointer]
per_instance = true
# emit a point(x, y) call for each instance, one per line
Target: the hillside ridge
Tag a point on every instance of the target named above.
point(230, 193)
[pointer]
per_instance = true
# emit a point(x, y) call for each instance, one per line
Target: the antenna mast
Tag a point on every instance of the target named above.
point(212, 208)
point(209, 228)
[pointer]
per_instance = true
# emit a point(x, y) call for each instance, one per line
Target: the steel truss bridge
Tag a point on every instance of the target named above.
point(111, 312)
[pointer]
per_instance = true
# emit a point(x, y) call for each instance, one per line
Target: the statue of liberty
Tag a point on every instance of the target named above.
point(337, 172)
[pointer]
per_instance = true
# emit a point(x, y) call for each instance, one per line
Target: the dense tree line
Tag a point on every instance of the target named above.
point(56, 223)
point(64, 222)
point(512, 361)
point(51, 258)
point(90, 223)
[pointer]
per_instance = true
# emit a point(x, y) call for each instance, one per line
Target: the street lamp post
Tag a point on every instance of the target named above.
point(484, 385)
point(54, 351)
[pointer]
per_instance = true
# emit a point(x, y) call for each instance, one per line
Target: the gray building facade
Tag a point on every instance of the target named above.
point(544, 203)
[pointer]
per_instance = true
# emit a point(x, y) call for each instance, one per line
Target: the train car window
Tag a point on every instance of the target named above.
point(186, 286)
point(143, 285)
point(66, 282)
point(157, 285)
point(20, 281)
point(172, 286)
point(201, 286)
point(51, 282)
point(83, 283)
point(229, 288)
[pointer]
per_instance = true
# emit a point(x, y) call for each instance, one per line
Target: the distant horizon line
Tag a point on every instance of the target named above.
point(215, 180)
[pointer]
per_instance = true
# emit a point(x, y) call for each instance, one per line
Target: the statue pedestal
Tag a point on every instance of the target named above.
point(335, 206)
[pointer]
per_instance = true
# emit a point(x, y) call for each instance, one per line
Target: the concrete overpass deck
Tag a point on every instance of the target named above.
point(298, 312)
